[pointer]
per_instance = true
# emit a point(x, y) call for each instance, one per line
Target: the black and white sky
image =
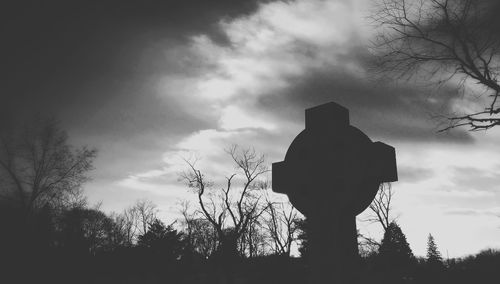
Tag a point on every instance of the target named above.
point(150, 82)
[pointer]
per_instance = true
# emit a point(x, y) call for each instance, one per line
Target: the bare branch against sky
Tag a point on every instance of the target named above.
point(447, 42)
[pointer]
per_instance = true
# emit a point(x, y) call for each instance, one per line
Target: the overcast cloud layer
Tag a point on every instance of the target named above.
point(152, 84)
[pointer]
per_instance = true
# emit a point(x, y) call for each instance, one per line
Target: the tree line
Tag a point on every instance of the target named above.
point(234, 230)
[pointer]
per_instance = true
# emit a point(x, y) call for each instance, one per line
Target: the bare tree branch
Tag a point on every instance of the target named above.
point(441, 40)
point(232, 209)
point(381, 208)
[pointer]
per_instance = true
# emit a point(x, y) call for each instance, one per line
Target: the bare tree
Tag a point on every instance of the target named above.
point(444, 40)
point(381, 207)
point(121, 235)
point(134, 221)
point(281, 225)
point(39, 167)
point(200, 234)
point(253, 242)
point(230, 210)
point(127, 223)
point(144, 212)
point(367, 245)
point(380, 211)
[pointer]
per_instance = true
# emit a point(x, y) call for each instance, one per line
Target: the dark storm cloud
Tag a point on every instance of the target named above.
point(380, 109)
point(83, 54)
point(95, 65)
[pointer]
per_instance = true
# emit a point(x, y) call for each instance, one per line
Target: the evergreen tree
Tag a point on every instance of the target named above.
point(433, 254)
point(395, 254)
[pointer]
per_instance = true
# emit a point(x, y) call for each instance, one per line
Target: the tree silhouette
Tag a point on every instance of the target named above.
point(142, 214)
point(86, 230)
point(446, 41)
point(380, 212)
point(39, 167)
point(303, 237)
point(124, 232)
point(281, 226)
point(435, 265)
point(253, 242)
point(433, 254)
point(381, 207)
point(235, 208)
point(162, 240)
point(201, 237)
point(395, 256)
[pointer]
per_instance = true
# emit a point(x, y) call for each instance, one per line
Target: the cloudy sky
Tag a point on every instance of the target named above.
point(150, 83)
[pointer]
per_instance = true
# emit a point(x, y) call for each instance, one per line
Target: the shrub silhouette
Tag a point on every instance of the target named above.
point(163, 241)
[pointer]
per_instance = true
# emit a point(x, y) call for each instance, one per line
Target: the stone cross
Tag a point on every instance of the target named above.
point(331, 173)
